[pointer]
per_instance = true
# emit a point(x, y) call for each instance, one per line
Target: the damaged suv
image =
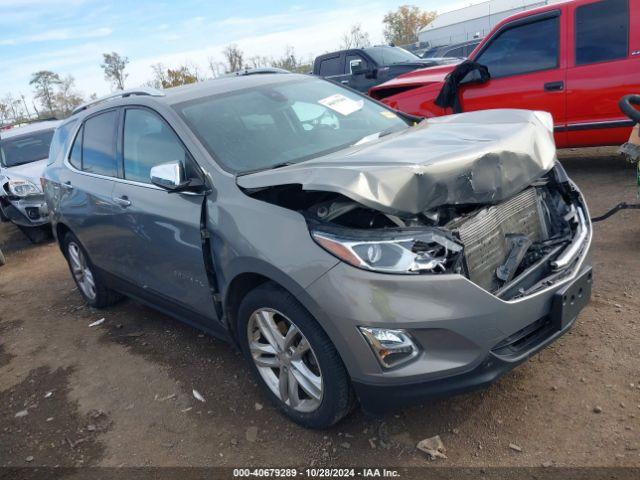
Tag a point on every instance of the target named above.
point(352, 253)
point(23, 157)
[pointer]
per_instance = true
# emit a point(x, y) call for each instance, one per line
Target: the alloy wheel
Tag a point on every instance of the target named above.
point(81, 271)
point(285, 360)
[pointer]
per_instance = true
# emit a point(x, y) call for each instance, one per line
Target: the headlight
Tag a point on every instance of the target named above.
point(391, 347)
point(22, 188)
point(410, 252)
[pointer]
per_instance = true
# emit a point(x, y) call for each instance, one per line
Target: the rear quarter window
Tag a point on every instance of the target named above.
point(59, 141)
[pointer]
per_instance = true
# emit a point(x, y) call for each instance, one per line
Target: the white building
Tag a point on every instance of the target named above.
point(474, 21)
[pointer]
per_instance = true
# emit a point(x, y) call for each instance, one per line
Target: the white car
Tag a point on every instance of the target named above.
point(23, 157)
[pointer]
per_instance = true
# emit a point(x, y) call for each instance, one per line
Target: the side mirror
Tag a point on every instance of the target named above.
point(357, 67)
point(169, 176)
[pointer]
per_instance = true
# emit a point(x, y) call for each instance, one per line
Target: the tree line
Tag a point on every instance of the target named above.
point(56, 96)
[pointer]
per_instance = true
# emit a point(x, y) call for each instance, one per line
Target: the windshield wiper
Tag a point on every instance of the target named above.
point(272, 167)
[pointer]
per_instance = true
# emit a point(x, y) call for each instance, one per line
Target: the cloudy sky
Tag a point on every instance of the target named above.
point(69, 36)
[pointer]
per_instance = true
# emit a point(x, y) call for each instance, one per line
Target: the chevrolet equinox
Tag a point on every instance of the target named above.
point(353, 253)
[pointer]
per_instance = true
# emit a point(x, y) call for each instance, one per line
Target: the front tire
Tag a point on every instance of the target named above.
point(91, 287)
point(293, 358)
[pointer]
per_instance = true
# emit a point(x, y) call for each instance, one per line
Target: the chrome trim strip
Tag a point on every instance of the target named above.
point(567, 257)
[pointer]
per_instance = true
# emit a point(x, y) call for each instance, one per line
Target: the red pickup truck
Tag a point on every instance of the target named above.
point(574, 59)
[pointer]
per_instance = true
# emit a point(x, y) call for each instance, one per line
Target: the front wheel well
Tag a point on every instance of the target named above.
point(61, 231)
point(239, 287)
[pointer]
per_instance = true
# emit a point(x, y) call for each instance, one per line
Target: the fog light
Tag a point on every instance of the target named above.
point(392, 347)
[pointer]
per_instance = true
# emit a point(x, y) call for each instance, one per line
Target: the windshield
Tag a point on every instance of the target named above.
point(391, 55)
point(25, 149)
point(281, 123)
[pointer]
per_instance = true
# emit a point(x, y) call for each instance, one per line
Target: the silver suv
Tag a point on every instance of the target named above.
point(353, 253)
point(23, 157)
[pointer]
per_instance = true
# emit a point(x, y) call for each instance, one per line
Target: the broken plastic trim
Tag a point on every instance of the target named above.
point(568, 256)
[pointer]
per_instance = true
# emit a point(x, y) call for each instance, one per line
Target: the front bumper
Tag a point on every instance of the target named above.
point(26, 212)
point(506, 355)
point(467, 336)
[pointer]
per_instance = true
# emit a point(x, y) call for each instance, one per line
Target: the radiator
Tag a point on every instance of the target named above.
point(483, 235)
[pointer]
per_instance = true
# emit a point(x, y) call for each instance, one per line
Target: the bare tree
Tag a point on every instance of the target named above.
point(113, 66)
point(5, 113)
point(291, 62)
point(216, 68)
point(355, 38)
point(44, 83)
point(159, 76)
point(67, 98)
point(234, 57)
point(259, 61)
point(403, 25)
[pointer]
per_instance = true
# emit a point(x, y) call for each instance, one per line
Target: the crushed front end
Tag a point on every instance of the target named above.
point(443, 299)
point(488, 287)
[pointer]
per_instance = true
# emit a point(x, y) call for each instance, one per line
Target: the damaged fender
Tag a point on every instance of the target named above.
point(470, 158)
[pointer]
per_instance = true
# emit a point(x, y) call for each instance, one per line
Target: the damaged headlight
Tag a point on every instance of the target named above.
point(22, 188)
point(418, 251)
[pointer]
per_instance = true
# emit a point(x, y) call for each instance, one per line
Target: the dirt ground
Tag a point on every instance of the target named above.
point(120, 394)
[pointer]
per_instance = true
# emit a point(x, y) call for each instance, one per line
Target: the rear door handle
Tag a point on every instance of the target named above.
point(554, 86)
point(123, 201)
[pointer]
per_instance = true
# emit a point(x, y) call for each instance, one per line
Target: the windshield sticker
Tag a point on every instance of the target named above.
point(341, 104)
point(388, 114)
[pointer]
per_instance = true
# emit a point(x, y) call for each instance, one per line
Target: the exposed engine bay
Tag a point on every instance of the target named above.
point(511, 249)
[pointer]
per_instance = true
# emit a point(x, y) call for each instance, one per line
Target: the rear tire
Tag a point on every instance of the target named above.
point(91, 286)
point(284, 344)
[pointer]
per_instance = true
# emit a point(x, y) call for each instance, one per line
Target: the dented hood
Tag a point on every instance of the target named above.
point(471, 158)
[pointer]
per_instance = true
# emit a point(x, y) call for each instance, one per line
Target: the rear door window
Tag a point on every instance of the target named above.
point(523, 49)
point(602, 31)
point(331, 66)
point(99, 144)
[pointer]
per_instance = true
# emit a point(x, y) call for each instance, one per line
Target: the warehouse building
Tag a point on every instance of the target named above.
point(474, 21)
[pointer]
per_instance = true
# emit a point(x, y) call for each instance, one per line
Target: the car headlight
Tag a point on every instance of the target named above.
point(392, 347)
point(394, 251)
point(22, 188)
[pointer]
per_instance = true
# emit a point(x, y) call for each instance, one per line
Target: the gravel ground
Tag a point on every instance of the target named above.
point(120, 394)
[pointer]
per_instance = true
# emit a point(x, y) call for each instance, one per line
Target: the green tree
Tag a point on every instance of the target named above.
point(114, 65)
point(67, 98)
point(44, 83)
point(402, 26)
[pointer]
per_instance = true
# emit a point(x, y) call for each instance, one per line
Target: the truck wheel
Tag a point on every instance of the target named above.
point(90, 285)
point(293, 358)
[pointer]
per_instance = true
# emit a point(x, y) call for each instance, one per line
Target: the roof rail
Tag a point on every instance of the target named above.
point(143, 91)
point(256, 71)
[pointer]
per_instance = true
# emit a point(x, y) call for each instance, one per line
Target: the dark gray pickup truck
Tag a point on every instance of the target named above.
point(363, 68)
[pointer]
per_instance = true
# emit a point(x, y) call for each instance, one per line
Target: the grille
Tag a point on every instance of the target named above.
point(484, 235)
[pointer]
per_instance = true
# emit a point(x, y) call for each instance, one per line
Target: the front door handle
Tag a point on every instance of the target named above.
point(554, 86)
point(123, 201)
point(67, 185)
point(344, 82)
